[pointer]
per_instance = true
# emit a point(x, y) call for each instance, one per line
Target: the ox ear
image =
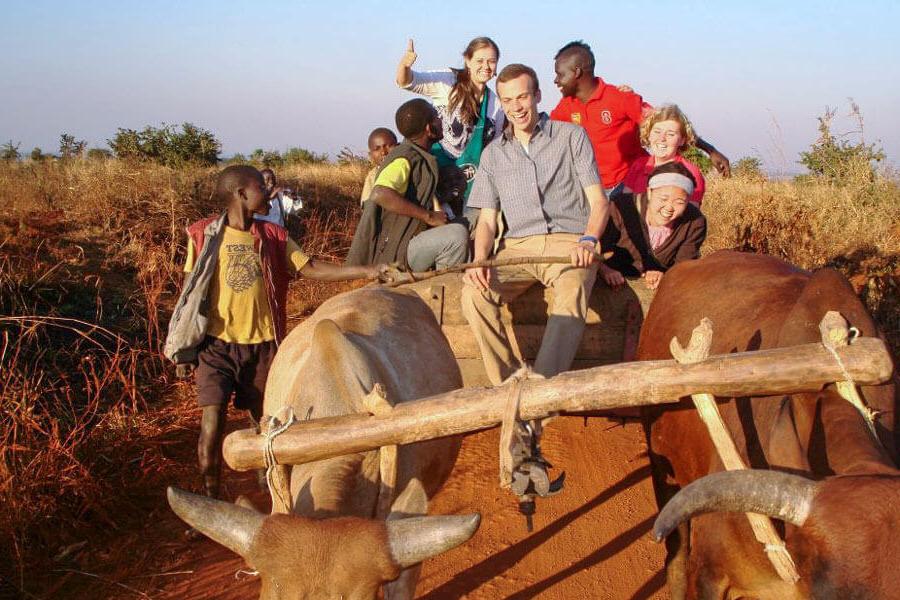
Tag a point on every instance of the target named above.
point(414, 539)
point(231, 525)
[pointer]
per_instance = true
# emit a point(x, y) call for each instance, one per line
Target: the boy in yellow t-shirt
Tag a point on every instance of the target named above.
point(231, 314)
point(381, 141)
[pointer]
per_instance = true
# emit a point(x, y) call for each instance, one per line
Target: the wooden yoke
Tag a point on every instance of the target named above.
point(805, 368)
point(698, 351)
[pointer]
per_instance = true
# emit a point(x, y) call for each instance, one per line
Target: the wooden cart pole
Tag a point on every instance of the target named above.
point(697, 351)
point(806, 368)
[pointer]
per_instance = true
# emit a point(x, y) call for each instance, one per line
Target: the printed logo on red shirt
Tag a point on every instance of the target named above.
point(576, 118)
point(606, 117)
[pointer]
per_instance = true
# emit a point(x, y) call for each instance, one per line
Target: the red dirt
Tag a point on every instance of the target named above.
point(590, 541)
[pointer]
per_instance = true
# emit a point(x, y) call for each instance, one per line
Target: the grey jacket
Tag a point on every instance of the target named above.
point(187, 328)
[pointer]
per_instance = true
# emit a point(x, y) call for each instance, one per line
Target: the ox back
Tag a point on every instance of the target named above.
point(345, 536)
point(758, 302)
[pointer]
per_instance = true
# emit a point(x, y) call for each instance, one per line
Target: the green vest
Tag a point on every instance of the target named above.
point(383, 236)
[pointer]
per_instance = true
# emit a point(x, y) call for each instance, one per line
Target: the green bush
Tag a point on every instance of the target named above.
point(69, 147)
point(840, 161)
point(167, 145)
point(750, 168)
point(294, 156)
point(10, 151)
point(99, 154)
point(699, 158)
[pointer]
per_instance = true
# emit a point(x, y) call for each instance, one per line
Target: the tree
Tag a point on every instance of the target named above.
point(841, 161)
point(10, 151)
point(69, 147)
point(167, 145)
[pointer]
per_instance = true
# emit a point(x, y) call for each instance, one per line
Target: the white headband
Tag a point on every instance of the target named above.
point(675, 179)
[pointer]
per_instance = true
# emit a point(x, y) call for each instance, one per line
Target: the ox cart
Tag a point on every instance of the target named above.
point(604, 378)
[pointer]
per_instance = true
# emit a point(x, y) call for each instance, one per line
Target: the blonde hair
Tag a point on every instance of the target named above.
point(669, 112)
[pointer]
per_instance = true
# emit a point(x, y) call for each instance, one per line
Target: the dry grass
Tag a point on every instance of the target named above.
point(89, 270)
point(90, 254)
point(854, 228)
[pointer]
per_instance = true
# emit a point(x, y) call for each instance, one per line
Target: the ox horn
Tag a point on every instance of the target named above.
point(779, 495)
point(414, 539)
point(231, 525)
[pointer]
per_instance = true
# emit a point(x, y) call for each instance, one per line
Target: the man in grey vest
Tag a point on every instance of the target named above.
point(402, 222)
point(543, 177)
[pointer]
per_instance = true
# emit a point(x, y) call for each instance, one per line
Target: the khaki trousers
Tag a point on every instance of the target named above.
point(565, 324)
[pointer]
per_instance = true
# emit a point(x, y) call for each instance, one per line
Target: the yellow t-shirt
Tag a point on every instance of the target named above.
point(395, 175)
point(368, 184)
point(239, 310)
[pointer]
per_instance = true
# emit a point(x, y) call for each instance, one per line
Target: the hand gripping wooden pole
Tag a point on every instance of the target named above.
point(698, 351)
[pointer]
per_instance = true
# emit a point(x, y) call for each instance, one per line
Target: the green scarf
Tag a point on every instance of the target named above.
point(471, 155)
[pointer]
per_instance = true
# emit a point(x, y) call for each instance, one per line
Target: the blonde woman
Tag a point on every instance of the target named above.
point(666, 134)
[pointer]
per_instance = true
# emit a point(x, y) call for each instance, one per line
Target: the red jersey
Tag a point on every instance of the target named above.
point(612, 119)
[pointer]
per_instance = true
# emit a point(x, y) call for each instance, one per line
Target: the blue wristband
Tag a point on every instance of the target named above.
point(588, 238)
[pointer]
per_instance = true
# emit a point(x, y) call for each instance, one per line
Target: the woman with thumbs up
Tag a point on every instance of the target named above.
point(470, 111)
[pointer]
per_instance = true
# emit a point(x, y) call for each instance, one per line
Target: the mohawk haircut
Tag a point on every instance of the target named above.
point(581, 50)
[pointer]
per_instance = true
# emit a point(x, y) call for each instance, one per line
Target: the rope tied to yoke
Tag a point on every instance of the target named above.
point(852, 334)
point(510, 436)
point(271, 428)
point(836, 334)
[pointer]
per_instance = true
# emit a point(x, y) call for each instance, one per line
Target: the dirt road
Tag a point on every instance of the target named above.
point(590, 541)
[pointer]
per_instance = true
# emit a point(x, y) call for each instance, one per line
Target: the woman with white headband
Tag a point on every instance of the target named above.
point(649, 233)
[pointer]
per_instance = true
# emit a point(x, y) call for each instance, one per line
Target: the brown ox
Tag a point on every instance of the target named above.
point(835, 487)
point(331, 546)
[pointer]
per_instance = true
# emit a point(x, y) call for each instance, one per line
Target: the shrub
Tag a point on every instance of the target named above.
point(69, 147)
point(699, 158)
point(294, 156)
point(38, 155)
point(749, 168)
point(99, 154)
point(840, 161)
point(9, 151)
point(167, 146)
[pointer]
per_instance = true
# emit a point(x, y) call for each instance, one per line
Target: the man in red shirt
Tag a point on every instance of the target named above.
point(611, 116)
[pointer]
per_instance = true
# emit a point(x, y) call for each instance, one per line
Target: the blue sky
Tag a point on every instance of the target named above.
point(753, 77)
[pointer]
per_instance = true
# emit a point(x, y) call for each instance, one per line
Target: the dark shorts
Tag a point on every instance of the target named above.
point(224, 368)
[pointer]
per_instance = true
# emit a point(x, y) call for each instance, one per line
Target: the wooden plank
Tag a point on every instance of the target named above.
point(602, 344)
point(531, 308)
point(806, 368)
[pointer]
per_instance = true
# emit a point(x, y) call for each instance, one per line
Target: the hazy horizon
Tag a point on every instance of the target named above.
point(753, 79)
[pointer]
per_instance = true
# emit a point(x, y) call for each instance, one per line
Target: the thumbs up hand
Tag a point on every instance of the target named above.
point(409, 57)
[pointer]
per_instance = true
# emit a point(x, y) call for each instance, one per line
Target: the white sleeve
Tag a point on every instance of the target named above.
point(290, 202)
point(434, 84)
